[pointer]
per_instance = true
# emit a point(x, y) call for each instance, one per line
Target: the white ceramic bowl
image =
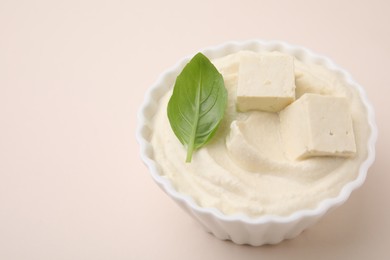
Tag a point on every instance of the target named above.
point(241, 229)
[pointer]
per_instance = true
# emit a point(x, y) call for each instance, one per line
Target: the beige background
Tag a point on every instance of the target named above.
point(72, 77)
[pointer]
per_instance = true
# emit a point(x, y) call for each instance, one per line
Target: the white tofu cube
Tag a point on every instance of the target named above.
point(265, 82)
point(317, 125)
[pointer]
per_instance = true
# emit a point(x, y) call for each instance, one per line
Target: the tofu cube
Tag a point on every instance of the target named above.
point(266, 82)
point(317, 125)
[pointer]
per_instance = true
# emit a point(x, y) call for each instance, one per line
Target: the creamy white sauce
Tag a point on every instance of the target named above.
point(270, 184)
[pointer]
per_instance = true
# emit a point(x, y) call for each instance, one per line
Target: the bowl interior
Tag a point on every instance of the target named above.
point(166, 81)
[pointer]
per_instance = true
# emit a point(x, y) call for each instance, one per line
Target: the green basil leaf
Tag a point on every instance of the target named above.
point(197, 104)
